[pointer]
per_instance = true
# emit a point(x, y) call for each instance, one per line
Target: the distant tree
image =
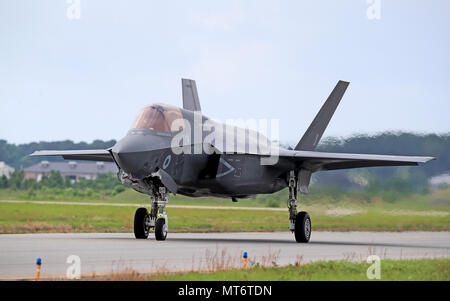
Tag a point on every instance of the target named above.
point(16, 179)
point(52, 180)
point(67, 182)
point(3, 182)
point(30, 184)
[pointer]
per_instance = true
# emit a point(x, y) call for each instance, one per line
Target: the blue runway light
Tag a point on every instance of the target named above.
point(244, 260)
point(38, 268)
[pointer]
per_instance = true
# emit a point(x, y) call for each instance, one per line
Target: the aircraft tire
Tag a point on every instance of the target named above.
point(141, 230)
point(160, 229)
point(302, 227)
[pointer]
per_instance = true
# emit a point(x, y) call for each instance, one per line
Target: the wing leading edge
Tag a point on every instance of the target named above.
point(88, 155)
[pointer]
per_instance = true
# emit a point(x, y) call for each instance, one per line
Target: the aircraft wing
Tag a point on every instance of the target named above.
point(316, 161)
point(88, 155)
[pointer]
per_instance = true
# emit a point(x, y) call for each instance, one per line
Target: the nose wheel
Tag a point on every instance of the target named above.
point(161, 229)
point(141, 223)
point(156, 218)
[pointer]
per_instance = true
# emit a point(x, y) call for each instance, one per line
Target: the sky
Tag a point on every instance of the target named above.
point(64, 77)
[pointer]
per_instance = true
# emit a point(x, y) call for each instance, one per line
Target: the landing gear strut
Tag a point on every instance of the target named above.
point(299, 223)
point(156, 218)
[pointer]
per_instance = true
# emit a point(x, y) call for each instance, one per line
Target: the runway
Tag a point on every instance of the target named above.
point(106, 252)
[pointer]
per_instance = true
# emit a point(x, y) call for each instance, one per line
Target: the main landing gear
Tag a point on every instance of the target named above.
point(299, 223)
point(156, 218)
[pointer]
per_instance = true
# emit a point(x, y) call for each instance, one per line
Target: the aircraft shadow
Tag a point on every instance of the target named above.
point(200, 240)
point(291, 242)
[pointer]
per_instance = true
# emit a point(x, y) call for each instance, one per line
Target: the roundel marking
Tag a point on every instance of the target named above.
point(166, 161)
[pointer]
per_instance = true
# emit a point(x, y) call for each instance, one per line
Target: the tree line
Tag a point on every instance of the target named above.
point(16, 155)
point(17, 181)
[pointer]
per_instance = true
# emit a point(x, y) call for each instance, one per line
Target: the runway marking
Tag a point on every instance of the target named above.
point(143, 205)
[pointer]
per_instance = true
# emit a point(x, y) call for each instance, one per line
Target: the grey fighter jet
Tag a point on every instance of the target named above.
point(175, 150)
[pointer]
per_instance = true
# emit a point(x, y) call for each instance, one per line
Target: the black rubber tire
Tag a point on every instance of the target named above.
point(141, 230)
point(302, 227)
point(160, 234)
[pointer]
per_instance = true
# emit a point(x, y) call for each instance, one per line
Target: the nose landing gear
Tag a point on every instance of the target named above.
point(156, 218)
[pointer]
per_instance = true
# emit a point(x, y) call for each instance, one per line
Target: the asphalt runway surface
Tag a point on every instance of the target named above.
point(106, 252)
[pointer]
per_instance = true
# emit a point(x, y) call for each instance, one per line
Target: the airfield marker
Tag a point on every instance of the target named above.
point(38, 268)
point(244, 260)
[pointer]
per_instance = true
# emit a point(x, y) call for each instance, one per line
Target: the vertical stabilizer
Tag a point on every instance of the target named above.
point(190, 95)
point(315, 131)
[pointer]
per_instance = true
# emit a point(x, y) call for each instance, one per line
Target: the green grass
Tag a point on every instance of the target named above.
point(130, 196)
point(29, 218)
point(391, 270)
point(439, 199)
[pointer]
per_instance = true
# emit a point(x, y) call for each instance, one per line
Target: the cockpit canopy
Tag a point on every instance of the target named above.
point(160, 117)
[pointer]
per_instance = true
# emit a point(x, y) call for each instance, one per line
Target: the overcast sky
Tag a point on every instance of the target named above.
point(87, 78)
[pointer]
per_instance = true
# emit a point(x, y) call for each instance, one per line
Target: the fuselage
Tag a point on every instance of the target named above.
point(149, 146)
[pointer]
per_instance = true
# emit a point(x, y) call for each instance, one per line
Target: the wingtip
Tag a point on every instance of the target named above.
point(427, 159)
point(36, 153)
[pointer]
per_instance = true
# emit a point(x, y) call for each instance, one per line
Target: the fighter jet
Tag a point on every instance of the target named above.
point(180, 150)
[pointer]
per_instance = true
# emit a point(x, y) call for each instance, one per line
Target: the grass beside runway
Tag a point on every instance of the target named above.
point(390, 270)
point(38, 218)
point(438, 199)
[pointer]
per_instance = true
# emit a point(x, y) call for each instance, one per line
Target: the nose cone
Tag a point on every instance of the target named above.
point(127, 157)
point(135, 152)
